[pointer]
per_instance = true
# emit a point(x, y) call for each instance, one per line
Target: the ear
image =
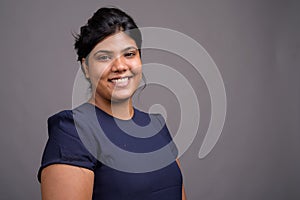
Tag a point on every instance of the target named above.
point(85, 68)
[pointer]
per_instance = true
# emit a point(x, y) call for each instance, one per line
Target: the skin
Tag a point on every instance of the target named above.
point(115, 57)
point(66, 182)
point(183, 190)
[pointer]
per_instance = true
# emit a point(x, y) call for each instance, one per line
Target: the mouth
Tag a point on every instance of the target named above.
point(120, 81)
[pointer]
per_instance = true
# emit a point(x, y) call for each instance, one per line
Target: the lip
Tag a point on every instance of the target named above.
point(120, 81)
point(119, 77)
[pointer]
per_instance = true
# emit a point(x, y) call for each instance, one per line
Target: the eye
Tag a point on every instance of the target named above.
point(103, 58)
point(130, 54)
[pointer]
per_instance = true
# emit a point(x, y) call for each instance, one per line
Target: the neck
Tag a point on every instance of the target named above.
point(121, 110)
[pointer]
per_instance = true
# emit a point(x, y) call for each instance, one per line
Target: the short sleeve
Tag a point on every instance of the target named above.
point(64, 145)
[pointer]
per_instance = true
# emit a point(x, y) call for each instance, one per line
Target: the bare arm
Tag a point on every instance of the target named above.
point(66, 182)
point(183, 191)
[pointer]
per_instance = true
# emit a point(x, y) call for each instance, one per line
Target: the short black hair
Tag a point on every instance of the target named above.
point(105, 22)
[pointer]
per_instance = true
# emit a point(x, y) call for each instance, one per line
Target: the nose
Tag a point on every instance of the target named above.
point(119, 65)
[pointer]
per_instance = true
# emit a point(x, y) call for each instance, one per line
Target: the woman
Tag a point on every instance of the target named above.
point(76, 167)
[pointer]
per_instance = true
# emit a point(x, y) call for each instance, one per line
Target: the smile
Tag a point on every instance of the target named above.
point(120, 82)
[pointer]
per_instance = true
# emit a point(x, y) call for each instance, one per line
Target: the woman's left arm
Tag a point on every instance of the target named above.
point(183, 191)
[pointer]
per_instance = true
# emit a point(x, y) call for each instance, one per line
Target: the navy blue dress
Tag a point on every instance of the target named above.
point(131, 159)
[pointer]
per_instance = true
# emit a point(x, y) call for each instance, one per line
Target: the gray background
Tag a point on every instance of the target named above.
point(255, 44)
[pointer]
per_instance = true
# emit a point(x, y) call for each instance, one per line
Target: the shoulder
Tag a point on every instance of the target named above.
point(64, 121)
point(64, 146)
point(61, 122)
point(63, 136)
point(60, 117)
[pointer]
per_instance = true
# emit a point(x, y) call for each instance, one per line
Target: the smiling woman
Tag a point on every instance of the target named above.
point(114, 69)
point(108, 49)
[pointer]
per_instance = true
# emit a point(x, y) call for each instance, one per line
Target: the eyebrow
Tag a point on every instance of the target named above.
point(111, 52)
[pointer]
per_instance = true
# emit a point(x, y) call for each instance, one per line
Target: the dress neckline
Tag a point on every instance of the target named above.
point(111, 116)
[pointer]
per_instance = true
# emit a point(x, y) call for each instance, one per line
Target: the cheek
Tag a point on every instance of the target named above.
point(99, 72)
point(136, 67)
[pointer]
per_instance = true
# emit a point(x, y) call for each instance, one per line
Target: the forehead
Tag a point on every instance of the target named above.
point(115, 42)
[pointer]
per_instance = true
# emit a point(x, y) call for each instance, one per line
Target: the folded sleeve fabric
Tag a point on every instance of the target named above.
point(64, 145)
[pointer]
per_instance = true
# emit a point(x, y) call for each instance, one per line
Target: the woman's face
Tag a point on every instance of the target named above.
point(114, 68)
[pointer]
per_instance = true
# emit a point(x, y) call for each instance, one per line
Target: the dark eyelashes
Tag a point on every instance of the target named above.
point(130, 54)
point(105, 58)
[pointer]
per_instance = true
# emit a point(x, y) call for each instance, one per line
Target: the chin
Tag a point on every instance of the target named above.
point(120, 98)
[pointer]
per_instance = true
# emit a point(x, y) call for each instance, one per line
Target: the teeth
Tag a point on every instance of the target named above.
point(120, 80)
